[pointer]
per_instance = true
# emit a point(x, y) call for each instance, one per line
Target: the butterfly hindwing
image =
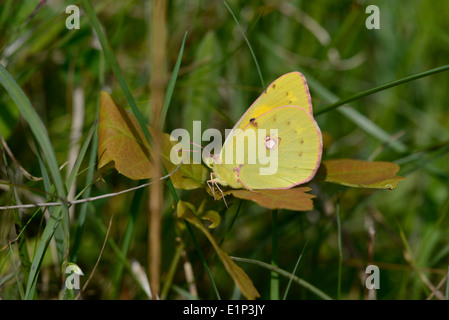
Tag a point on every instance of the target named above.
point(299, 148)
point(291, 141)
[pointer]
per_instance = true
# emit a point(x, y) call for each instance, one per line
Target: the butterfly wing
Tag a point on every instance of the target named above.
point(288, 90)
point(292, 143)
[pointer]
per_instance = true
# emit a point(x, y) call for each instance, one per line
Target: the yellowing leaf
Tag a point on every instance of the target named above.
point(213, 217)
point(122, 144)
point(241, 279)
point(292, 199)
point(359, 173)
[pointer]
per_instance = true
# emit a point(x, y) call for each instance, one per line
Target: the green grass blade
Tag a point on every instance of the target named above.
point(127, 237)
point(356, 117)
point(203, 260)
point(380, 88)
point(112, 61)
point(171, 271)
point(171, 83)
point(274, 276)
point(25, 261)
point(113, 245)
point(294, 272)
point(247, 42)
point(168, 95)
point(50, 190)
point(86, 194)
point(80, 157)
point(287, 274)
point(40, 134)
point(29, 114)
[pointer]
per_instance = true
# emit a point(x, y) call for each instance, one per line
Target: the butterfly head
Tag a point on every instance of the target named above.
point(211, 160)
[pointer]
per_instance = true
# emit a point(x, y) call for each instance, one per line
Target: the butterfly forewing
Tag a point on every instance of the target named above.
point(288, 90)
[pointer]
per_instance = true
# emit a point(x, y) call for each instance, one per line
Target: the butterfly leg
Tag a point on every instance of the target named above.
point(222, 194)
point(237, 171)
point(210, 183)
point(248, 188)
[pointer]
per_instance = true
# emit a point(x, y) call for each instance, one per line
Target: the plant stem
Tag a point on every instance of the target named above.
point(158, 41)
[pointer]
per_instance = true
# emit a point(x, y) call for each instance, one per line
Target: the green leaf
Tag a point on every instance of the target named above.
point(360, 174)
point(186, 211)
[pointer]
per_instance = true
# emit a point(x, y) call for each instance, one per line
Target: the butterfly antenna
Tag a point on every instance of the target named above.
point(197, 145)
point(178, 150)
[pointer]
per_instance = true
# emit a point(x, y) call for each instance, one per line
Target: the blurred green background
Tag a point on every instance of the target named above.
point(404, 232)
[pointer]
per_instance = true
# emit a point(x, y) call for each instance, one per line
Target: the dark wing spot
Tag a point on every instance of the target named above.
point(286, 94)
point(288, 123)
point(301, 141)
point(274, 118)
point(253, 122)
point(290, 101)
point(274, 85)
point(300, 154)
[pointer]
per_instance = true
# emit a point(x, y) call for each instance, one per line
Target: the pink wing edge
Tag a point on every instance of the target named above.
point(310, 177)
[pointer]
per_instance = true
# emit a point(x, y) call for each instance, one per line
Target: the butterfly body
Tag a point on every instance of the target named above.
point(283, 143)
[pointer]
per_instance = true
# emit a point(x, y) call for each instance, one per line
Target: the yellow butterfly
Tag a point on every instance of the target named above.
point(284, 112)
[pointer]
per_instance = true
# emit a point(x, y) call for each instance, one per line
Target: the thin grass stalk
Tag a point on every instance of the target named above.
point(126, 242)
point(89, 177)
point(293, 273)
point(76, 132)
point(40, 134)
point(158, 40)
point(274, 276)
point(287, 274)
point(25, 263)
